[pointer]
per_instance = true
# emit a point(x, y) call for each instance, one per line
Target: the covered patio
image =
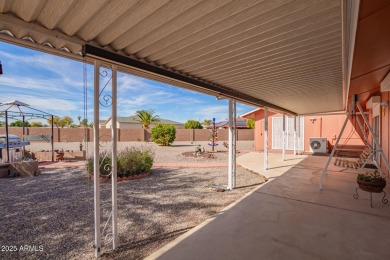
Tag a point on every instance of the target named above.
point(294, 57)
point(288, 218)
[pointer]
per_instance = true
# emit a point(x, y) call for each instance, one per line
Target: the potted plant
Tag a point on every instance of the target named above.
point(371, 182)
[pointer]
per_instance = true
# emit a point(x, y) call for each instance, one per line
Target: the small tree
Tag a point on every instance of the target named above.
point(56, 121)
point(163, 134)
point(84, 122)
point(66, 121)
point(250, 123)
point(207, 122)
point(193, 124)
point(19, 123)
point(36, 124)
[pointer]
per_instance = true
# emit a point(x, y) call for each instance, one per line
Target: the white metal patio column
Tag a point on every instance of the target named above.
point(298, 135)
point(230, 158)
point(266, 138)
point(234, 151)
point(295, 135)
point(115, 238)
point(96, 172)
point(284, 138)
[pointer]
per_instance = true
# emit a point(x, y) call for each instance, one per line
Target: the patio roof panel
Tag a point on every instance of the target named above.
point(273, 51)
point(265, 25)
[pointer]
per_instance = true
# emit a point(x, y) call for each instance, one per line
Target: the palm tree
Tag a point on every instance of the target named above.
point(146, 117)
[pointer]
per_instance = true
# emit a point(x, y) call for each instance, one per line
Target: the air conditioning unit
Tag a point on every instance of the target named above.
point(318, 145)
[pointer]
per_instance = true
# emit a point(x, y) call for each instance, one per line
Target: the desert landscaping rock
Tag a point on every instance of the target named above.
point(54, 211)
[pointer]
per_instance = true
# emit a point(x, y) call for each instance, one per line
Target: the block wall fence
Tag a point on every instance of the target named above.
point(125, 135)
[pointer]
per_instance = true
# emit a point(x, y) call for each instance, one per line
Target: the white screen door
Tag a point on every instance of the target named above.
point(277, 133)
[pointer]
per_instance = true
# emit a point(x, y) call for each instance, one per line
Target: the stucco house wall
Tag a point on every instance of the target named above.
point(327, 126)
point(385, 125)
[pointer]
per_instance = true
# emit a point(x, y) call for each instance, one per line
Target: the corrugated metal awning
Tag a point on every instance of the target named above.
point(286, 53)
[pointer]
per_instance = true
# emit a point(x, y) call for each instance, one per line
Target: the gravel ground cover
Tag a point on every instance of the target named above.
point(51, 216)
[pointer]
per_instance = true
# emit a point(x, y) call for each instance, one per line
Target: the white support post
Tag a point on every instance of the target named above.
point(96, 172)
point(351, 111)
point(234, 143)
point(295, 135)
point(374, 137)
point(230, 158)
point(298, 134)
point(266, 138)
point(115, 240)
point(284, 138)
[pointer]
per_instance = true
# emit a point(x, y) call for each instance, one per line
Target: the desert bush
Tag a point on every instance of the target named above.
point(134, 161)
point(163, 134)
point(131, 161)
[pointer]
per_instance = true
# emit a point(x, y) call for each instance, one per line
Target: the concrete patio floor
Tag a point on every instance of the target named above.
point(288, 217)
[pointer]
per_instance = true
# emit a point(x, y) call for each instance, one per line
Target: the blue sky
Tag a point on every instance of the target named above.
point(55, 85)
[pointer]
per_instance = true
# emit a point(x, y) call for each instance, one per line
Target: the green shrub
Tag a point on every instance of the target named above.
point(193, 124)
point(131, 161)
point(134, 161)
point(163, 134)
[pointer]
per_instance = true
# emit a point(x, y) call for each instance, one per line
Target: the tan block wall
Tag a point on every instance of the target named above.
point(184, 135)
point(125, 135)
point(201, 134)
point(245, 134)
point(131, 135)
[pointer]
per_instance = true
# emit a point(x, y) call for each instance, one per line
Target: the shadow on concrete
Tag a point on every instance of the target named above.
point(290, 218)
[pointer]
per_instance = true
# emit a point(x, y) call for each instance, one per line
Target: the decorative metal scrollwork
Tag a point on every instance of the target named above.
point(105, 165)
point(107, 233)
point(105, 99)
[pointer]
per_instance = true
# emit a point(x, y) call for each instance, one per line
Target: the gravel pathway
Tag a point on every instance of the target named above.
point(51, 216)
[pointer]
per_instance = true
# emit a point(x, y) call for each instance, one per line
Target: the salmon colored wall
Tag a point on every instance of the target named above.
point(321, 126)
point(385, 118)
point(329, 126)
point(258, 116)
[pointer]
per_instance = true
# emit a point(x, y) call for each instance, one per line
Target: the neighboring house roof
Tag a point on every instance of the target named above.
point(250, 112)
point(258, 109)
point(240, 123)
point(132, 120)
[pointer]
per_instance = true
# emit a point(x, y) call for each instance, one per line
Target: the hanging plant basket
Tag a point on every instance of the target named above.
point(372, 186)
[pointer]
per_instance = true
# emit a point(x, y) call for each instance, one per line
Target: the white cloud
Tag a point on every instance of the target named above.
point(32, 84)
point(219, 112)
point(69, 72)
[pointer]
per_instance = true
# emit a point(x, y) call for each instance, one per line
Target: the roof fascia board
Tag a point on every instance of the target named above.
point(99, 53)
point(350, 15)
point(40, 47)
point(35, 28)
